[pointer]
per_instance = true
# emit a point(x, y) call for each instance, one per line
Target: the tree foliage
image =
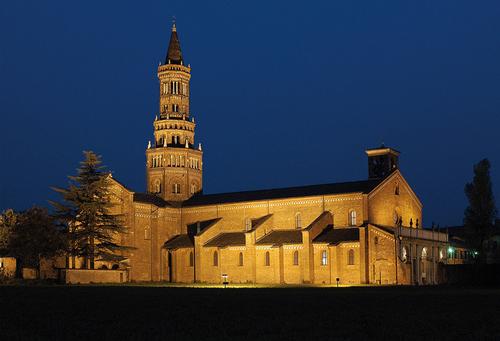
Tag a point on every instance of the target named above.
point(86, 212)
point(7, 221)
point(480, 215)
point(30, 236)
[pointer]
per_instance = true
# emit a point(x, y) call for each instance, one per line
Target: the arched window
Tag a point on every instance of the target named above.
point(296, 257)
point(324, 257)
point(424, 253)
point(147, 233)
point(267, 259)
point(193, 188)
point(240, 259)
point(441, 254)
point(352, 218)
point(298, 221)
point(404, 254)
point(191, 259)
point(176, 188)
point(157, 186)
point(350, 257)
point(216, 258)
point(248, 224)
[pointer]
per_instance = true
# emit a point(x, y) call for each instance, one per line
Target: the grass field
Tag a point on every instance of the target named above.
point(153, 313)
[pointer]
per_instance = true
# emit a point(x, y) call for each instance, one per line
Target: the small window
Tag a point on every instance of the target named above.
point(157, 186)
point(248, 224)
point(375, 240)
point(350, 257)
point(147, 233)
point(352, 218)
point(298, 221)
point(296, 258)
point(216, 258)
point(324, 257)
point(191, 259)
point(267, 259)
point(176, 188)
point(240, 259)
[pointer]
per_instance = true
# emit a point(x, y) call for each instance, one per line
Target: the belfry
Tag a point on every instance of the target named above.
point(174, 163)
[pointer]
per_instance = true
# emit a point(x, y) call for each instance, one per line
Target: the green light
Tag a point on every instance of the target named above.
point(476, 253)
point(450, 250)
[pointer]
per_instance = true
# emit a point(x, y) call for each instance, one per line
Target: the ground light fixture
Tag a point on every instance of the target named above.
point(225, 280)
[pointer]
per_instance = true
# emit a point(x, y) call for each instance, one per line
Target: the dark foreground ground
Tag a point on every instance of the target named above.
point(153, 313)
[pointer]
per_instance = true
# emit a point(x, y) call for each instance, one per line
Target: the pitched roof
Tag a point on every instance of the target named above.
point(334, 236)
point(200, 226)
point(148, 198)
point(174, 54)
point(364, 186)
point(227, 239)
point(280, 237)
point(179, 241)
point(388, 229)
point(259, 221)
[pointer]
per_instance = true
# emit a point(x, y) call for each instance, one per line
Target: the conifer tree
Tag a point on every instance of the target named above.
point(93, 230)
point(480, 215)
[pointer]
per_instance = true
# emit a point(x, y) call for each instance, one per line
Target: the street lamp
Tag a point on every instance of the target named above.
point(224, 280)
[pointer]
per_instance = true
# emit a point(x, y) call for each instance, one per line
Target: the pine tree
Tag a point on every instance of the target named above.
point(480, 215)
point(85, 210)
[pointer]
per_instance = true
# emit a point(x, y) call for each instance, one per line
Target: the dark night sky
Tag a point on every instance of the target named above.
point(284, 93)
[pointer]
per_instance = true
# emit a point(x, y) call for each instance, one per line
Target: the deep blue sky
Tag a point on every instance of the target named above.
point(284, 93)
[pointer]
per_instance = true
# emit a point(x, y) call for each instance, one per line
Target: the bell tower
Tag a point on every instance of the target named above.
point(382, 161)
point(174, 163)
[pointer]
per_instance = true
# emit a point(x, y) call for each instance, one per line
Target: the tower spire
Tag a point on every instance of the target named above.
point(174, 54)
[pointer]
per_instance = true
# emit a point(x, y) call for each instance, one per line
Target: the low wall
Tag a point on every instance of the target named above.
point(83, 276)
point(29, 273)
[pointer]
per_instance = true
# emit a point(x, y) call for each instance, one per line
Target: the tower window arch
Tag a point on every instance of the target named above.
point(267, 259)
point(176, 188)
point(156, 186)
point(147, 233)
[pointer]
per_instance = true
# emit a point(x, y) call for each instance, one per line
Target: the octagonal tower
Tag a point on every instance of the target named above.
point(174, 163)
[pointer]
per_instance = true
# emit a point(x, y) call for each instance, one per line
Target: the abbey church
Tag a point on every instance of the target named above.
point(362, 232)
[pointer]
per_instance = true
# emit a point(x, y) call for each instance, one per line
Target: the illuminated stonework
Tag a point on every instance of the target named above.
point(347, 233)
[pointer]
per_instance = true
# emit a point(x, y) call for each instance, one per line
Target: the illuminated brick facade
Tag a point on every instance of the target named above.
point(359, 232)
